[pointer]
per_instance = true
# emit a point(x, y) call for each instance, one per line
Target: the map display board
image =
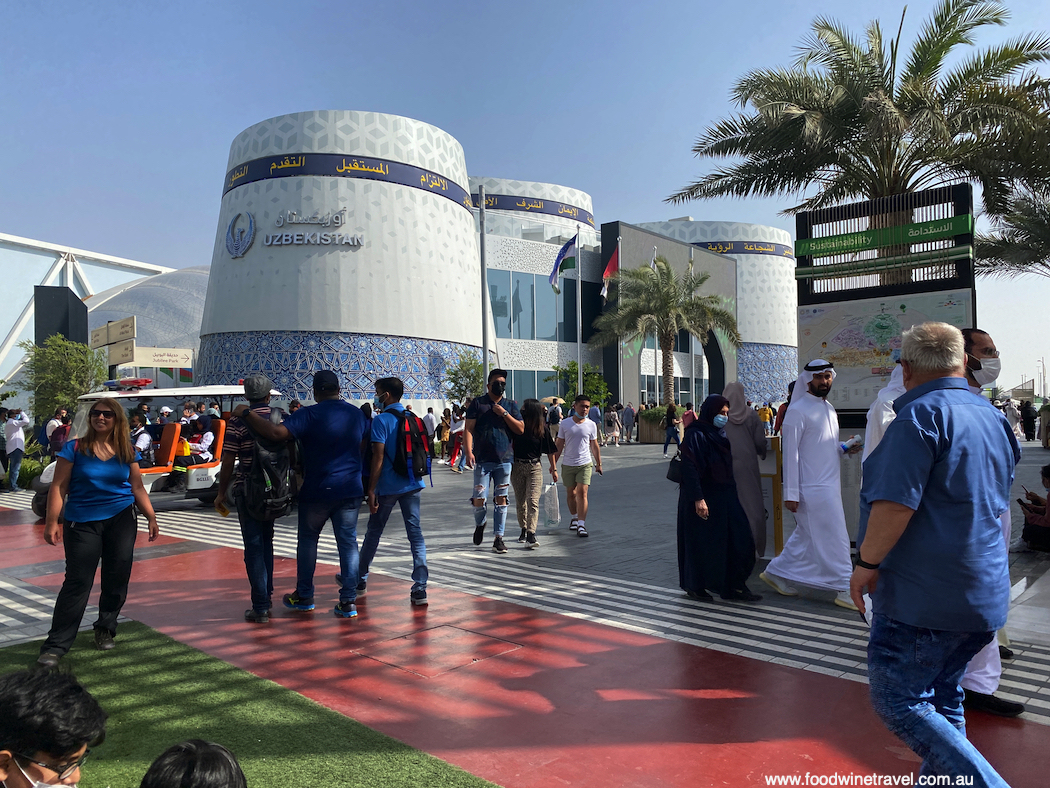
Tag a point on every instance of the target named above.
point(863, 338)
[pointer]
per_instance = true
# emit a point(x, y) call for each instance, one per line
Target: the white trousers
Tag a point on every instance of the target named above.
point(817, 552)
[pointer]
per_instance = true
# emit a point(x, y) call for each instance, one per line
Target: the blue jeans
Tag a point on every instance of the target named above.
point(258, 555)
point(914, 675)
point(14, 465)
point(671, 435)
point(499, 473)
point(409, 502)
point(312, 517)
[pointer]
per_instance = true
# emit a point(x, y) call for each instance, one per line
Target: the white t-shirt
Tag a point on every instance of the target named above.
point(577, 436)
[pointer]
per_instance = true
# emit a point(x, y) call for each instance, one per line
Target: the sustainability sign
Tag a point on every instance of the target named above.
point(881, 238)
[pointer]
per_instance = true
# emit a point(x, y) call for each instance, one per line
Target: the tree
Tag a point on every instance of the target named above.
point(658, 301)
point(59, 372)
point(1020, 240)
point(594, 385)
point(466, 377)
point(846, 123)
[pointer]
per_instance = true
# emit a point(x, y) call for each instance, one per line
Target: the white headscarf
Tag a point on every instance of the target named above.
point(881, 412)
point(805, 377)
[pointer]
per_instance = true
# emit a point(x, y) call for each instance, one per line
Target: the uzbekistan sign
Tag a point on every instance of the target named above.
point(884, 237)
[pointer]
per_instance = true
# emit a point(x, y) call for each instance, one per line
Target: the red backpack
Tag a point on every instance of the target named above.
point(412, 442)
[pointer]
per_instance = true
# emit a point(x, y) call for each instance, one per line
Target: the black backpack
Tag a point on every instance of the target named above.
point(554, 414)
point(268, 484)
point(411, 440)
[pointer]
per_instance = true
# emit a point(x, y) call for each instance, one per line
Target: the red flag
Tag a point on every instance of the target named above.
point(614, 264)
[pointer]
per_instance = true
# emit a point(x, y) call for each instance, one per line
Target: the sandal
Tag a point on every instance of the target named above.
point(573, 525)
point(581, 530)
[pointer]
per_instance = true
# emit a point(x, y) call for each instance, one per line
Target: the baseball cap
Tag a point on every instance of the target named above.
point(325, 380)
point(165, 409)
point(257, 387)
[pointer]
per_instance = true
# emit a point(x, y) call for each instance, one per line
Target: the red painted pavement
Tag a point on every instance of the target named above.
point(526, 698)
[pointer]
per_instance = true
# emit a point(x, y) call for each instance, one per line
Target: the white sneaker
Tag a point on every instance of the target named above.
point(778, 585)
point(665, 455)
point(842, 599)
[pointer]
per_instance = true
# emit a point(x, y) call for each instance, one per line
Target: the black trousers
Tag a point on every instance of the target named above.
point(112, 541)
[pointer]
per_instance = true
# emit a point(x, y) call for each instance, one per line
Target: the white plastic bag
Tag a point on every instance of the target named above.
point(550, 506)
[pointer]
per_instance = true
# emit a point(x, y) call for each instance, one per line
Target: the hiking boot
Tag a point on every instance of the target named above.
point(479, 534)
point(498, 546)
point(346, 610)
point(104, 640)
point(257, 616)
point(293, 601)
point(523, 535)
point(419, 597)
point(531, 542)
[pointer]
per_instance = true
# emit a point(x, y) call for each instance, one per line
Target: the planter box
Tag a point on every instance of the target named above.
point(652, 432)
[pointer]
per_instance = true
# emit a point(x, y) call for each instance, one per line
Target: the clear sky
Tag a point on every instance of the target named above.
point(117, 117)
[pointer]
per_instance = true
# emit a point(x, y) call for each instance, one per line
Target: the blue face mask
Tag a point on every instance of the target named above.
point(376, 404)
point(720, 420)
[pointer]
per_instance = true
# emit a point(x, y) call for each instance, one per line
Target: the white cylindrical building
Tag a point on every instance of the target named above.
point(345, 241)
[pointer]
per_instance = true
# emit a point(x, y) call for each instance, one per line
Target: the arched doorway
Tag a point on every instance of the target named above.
point(716, 364)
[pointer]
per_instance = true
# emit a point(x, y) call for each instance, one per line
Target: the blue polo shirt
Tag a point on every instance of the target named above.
point(384, 430)
point(950, 456)
point(330, 433)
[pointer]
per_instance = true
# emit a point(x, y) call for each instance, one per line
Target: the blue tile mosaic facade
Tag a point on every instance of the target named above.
point(766, 370)
point(290, 358)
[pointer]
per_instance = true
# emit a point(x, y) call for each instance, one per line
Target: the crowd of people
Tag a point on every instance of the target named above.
point(932, 547)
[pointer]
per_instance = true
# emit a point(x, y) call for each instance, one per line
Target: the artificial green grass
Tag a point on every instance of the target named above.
point(159, 692)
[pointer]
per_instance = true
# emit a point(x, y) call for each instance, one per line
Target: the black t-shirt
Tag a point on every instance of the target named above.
point(528, 447)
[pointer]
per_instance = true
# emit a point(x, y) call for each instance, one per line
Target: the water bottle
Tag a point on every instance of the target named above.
point(856, 440)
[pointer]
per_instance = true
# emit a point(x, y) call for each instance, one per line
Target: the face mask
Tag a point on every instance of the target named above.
point(578, 417)
point(32, 783)
point(376, 404)
point(989, 371)
point(498, 388)
point(720, 420)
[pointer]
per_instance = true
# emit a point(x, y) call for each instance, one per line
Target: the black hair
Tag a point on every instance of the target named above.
point(48, 712)
point(1045, 471)
point(367, 410)
point(968, 335)
point(497, 373)
point(671, 412)
point(195, 764)
point(581, 398)
point(533, 415)
point(689, 406)
point(392, 386)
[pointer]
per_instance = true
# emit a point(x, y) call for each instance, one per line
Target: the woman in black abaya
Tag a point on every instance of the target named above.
point(716, 550)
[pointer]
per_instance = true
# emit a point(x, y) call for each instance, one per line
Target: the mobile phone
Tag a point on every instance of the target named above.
point(1024, 504)
point(1026, 489)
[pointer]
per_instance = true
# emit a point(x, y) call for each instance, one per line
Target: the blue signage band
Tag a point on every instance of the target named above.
point(505, 202)
point(338, 165)
point(747, 247)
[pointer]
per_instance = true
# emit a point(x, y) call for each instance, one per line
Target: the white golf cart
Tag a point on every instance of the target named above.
point(202, 481)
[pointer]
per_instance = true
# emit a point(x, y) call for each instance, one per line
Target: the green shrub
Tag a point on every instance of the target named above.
point(654, 415)
point(30, 469)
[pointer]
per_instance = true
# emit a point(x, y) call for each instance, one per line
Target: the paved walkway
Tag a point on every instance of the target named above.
point(579, 662)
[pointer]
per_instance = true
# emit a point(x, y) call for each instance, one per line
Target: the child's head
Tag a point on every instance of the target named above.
point(195, 764)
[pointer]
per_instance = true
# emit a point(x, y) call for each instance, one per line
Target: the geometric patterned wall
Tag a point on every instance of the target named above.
point(289, 359)
point(766, 370)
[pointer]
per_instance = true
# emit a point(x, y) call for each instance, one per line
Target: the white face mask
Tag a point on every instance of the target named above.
point(989, 371)
point(34, 783)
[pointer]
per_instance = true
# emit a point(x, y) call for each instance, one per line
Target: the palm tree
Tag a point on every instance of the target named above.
point(846, 123)
point(659, 302)
point(1020, 241)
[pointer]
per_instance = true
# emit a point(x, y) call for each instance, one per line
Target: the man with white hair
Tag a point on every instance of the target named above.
point(817, 553)
point(931, 551)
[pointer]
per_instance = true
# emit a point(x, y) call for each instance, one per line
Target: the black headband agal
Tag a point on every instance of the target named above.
point(818, 367)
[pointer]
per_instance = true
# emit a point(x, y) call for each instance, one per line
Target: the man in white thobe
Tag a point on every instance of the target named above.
point(817, 553)
point(881, 412)
point(981, 679)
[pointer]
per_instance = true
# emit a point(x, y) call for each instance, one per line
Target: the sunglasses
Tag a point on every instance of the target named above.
point(102, 414)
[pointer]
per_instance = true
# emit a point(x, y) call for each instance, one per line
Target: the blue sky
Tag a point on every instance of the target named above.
point(118, 117)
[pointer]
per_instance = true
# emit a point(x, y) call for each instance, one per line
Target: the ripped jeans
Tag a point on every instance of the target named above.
point(499, 473)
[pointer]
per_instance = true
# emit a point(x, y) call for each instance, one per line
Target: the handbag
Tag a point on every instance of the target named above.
point(551, 506)
point(674, 468)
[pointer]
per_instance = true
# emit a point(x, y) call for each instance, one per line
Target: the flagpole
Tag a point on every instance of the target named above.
point(484, 287)
point(619, 340)
point(579, 313)
point(656, 344)
point(692, 350)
